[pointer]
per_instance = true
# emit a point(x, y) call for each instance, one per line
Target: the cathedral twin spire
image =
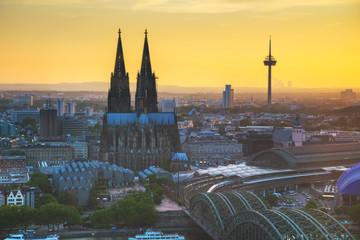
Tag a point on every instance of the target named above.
point(119, 93)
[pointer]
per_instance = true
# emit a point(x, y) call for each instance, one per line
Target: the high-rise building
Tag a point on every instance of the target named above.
point(71, 125)
point(60, 107)
point(348, 94)
point(49, 126)
point(89, 111)
point(20, 115)
point(26, 99)
point(6, 129)
point(70, 109)
point(143, 138)
point(228, 97)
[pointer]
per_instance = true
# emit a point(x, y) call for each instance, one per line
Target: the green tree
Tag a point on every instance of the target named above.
point(65, 198)
point(8, 217)
point(311, 204)
point(266, 203)
point(245, 122)
point(152, 178)
point(157, 191)
point(197, 124)
point(101, 219)
point(45, 199)
point(136, 209)
point(93, 203)
point(48, 214)
point(29, 121)
point(25, 216)
point(272, 200)
point(96, 129)
point(166, 166)
point(40, 180)
point(354, 213)
point(17, 153)
point(72, 215)
point(222, 131)
point(162, 180)
point(55, 214)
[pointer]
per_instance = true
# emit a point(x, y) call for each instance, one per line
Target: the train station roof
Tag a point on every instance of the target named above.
point(309, 157)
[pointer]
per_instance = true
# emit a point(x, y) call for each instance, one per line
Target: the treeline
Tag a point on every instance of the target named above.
point(49, 214)
point(136, 209)
point(48, 210)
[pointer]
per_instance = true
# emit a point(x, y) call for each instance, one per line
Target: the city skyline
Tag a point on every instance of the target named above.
point(196, 43)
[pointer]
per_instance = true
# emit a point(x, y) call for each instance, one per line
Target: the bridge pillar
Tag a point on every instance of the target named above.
point(274, 190)
point(264, 193)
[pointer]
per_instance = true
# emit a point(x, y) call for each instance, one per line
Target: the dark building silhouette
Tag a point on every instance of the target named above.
point(254, 142)
point(119, 93)
point(269, 61)
point(70, 125)
point(143, 138)
point(49, 124)
point(146, 95)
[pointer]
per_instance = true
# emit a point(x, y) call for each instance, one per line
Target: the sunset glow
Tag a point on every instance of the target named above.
point(192, 43)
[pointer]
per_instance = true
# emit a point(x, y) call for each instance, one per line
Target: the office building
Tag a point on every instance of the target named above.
point(228, 97)
point(60, 107)
point(49, 124)
point(6, 129)
point(20, 115)
point(348, 94)
point(70, 109)
point(26, 99)
point(89, 111)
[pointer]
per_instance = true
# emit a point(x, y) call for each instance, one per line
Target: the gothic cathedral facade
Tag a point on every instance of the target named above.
point(139, 138)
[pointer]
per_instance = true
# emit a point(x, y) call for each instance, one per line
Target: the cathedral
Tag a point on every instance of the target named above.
point(141, 137)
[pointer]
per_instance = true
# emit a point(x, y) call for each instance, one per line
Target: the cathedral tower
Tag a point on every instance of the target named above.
point(119, 93)
point(146, 94)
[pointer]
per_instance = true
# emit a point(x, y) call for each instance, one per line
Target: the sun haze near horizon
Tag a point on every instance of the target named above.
point(192, 43)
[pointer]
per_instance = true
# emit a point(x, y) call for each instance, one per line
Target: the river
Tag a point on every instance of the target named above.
point(187, 237)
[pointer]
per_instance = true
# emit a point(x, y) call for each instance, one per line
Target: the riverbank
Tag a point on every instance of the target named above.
point(123, 232)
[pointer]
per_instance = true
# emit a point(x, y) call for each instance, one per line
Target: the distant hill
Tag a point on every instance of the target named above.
point(104, 86)
point(347, 111)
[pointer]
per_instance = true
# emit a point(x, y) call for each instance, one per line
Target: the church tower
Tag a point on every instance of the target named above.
point(297, 133)
point(146, 94)
point(119, 93)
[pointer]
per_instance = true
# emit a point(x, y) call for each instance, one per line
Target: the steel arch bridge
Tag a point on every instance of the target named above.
point(232, 215)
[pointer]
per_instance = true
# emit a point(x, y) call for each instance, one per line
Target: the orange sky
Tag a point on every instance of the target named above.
point(192, 42)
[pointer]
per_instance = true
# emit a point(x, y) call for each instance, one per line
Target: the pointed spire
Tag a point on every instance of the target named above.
point(119, 61)
point(146, 95)
point(145, 63)
point(270, 48)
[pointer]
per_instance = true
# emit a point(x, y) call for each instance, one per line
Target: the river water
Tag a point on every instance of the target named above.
point(187, 237)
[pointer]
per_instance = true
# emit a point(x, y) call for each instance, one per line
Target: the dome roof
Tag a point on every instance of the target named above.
point(349, 181)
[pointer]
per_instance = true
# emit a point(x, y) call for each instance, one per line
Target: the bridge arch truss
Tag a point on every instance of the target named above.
point(232, 215)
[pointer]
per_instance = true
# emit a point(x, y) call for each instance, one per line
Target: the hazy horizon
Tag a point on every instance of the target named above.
point(192, 43)
point(104, 86)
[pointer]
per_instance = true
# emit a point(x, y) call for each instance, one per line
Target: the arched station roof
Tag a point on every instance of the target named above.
point(309, 156)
